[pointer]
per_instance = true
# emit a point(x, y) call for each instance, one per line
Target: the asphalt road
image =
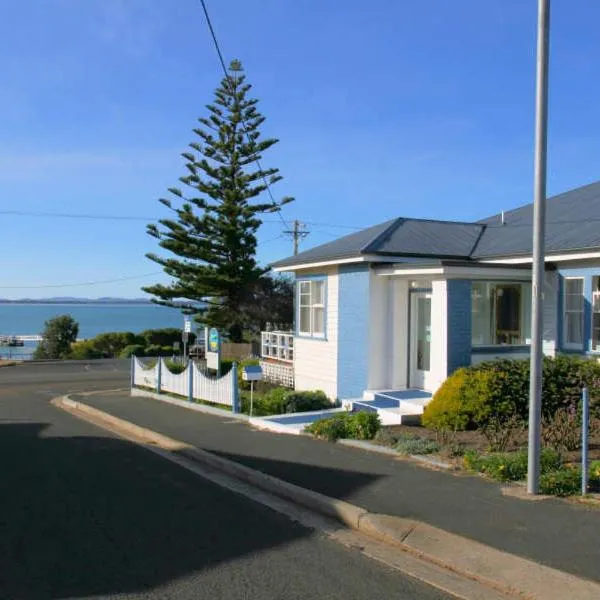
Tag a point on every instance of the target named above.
point(550, 532)
point(85, 514)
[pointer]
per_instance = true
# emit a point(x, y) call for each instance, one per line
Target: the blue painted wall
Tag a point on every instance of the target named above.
point(459, 324)
point(353, 331)
point(587, 274)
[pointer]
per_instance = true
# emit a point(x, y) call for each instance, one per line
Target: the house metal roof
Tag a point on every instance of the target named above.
point(572, 223)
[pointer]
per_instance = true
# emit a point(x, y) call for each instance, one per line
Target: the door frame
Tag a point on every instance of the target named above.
point(423, 379)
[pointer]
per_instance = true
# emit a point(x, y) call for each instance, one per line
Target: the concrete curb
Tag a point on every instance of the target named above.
point(211, 410)
point(499, 570)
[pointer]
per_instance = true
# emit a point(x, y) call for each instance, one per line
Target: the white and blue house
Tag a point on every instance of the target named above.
point(384, 315)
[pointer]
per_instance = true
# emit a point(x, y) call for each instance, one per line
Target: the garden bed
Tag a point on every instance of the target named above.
point(474, 440)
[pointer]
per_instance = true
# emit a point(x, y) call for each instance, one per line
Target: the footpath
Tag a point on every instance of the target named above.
point(551, 532)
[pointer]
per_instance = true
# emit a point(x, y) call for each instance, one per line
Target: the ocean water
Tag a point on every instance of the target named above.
point(29, 319)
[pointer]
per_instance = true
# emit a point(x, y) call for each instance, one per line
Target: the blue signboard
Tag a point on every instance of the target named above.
point(214, 340)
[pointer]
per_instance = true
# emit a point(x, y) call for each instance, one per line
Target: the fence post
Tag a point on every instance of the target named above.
point(585, 425)
point(159, 376)
point(235, 396)
point(190, 380)
point(132, 370)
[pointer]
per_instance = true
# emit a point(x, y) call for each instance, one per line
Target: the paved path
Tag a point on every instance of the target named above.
point(85, 514)
point(551, 532)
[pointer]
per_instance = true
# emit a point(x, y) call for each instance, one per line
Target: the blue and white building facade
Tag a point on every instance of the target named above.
point(401, 305)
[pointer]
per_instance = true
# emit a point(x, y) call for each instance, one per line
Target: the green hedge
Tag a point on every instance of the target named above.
point(279, 400)
point(494, 396)
point(357, 426)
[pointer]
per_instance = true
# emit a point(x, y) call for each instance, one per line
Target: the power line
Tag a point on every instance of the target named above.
point(228, 77)
point(25, 213)
point(80, 284)
point(298, 233)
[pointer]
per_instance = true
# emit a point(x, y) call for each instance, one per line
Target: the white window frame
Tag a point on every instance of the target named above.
point(595, 295)
point(565, 329)
point(312, 306)
point(523, 319)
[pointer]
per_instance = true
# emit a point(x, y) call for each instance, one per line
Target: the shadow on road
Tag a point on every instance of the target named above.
point(85, 516)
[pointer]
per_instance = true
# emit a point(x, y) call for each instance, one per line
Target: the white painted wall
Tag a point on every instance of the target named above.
point(379, 333)
point(315, 360)
point(399, 331)
point(439, 335)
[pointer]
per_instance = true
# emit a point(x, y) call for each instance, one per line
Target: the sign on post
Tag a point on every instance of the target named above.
point(213, 351)
point(252, 373)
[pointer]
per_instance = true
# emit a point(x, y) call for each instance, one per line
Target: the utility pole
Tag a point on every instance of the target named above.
point(539, 226)
point(297, 233)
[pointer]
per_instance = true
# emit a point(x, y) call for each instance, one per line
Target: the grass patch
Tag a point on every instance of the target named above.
point(355, 426)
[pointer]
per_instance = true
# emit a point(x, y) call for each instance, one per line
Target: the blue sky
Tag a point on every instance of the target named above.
point(383, 108)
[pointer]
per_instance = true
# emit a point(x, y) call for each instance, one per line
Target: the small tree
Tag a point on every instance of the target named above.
point(59, 334)
point(213, 232)
point(272, 301)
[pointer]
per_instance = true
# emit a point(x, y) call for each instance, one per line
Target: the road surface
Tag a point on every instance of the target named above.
point(85, 514)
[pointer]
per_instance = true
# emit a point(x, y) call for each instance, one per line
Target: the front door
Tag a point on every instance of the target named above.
point(420, 353)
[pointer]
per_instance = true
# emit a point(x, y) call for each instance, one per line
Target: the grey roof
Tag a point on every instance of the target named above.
point(398, 237)
point(572, 223)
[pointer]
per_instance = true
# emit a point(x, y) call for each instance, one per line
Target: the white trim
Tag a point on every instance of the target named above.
point(339, 261)
point(565, 343)
point(523, 260)
point(450, 272)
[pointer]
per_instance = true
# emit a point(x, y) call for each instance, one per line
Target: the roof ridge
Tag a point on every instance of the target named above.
point(445, 221)
point(484, 227)
point(390, 229)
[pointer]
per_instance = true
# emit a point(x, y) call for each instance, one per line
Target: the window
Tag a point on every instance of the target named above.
point(500, 313)
point(573, 303)
point(311, 307)
point(596, 314)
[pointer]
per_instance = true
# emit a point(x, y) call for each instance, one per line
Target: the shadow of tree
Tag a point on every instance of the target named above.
point(85, 516)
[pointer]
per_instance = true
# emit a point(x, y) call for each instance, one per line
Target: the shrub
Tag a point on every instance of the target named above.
point(359, 426)
point(164, 337)
point(562, 431)
point(362, 425)
point(132, 350)
point(416, 445)
point(448, 412)
point(385, 437)
point(175, 367)
point(563, 482)
point(594, 470)
point(155, 350)
point(331, 428)
point(509, 466)
point(84, 350)
point(306, 401)
point(112, 344)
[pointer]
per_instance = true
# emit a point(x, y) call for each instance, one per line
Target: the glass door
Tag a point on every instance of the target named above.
point(420, 339)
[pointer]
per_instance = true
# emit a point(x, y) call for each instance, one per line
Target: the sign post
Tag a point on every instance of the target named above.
point(187, 328)
point(213, 351)
point(252, 373)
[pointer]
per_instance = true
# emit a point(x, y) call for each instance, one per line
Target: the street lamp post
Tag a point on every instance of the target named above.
point(539, 218)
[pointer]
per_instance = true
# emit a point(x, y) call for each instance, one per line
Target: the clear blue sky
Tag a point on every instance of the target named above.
point(383, 108)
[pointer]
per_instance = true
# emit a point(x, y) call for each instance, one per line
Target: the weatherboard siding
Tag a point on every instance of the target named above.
point(354, 316)
point(315, 360)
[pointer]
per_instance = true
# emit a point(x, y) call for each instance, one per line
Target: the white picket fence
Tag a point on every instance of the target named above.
point(218, 391)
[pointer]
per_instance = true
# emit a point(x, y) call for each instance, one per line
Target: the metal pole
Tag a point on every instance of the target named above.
point(585, 425)
point(251, 396)
point(539, 214)
point(296, 235)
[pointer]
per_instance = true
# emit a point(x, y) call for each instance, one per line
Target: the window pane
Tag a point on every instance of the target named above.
point(574, 328)
point(318, 292)
point(596, 332)
point(318, 321)
point(508, 314)
point(481, 314)
point(574, 286)
point(304, 326)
